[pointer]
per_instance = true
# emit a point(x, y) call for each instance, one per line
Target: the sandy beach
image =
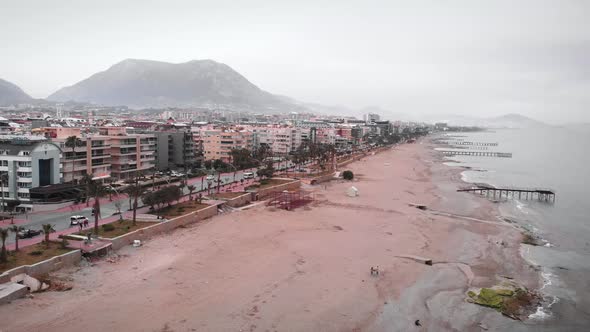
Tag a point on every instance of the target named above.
point(263, 269)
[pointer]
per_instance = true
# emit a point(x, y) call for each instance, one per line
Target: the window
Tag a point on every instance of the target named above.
point(24, 195)
point(4, 163)
point(24, 174)
point(24, 184)
point(25, 153)
point(24, 164)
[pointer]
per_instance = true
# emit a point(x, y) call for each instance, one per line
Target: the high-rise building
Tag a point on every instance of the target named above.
point(26, 162)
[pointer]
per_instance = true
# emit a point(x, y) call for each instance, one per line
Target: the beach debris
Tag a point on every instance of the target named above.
point(338, 228)
point(417, 322)
point(509, 298)
point(352, 192)
point(374, 271)
point(530, 239)
point(424, 260)
point(137, 243)
point(483, 326)
point(419, 206)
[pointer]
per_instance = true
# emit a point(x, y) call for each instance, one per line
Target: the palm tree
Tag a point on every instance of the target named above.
point(97, 190)
point(3, 237)
point(137, 191)
point(16, 229)
point(47, 229)
point(87, 181)
point(190, 188)
point(73, 142)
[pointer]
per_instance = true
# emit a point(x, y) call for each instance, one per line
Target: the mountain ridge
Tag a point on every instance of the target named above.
point(140, 83)
point(11, 93)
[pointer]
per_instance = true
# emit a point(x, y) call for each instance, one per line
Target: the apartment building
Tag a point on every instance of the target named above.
point(176, 150)
point(26, 162)
point(130, 153)
point(218, 143)
point(91, 157)
point(284, 140)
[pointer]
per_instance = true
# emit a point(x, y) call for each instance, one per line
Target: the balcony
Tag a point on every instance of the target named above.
point(24, 179)
point(102, 155)
point(24, 169)
point(101, 164)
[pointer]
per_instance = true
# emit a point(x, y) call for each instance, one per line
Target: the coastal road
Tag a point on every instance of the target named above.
point(60, 218)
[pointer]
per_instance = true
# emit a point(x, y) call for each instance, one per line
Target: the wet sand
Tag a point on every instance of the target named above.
point(263, 269)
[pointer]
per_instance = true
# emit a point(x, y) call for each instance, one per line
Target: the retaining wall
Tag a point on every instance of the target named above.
point(240, 200)
point(44, 267)
point(280, 187)
point(162, 227)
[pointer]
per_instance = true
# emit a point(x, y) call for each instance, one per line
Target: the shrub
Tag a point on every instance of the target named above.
point(347, 175)
point(36, 253)
point(264, 181)
point(108, 227)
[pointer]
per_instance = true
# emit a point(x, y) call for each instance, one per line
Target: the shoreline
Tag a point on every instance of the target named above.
point(265, 269)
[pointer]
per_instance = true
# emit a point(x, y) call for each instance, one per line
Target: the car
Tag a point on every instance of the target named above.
point(210, 178)
point(249, 175)
point(28, 233)
point(76, 220)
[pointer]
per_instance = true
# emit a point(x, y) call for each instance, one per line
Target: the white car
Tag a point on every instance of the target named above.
point(210, 178)
point(248, 175)
point(77, 220)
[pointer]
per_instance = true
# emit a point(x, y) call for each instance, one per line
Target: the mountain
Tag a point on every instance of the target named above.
point(515, 121)
point(11, 94)
point(198, 83)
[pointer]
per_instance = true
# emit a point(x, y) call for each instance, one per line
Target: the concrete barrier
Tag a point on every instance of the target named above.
point(162, 227)
point(49, 265)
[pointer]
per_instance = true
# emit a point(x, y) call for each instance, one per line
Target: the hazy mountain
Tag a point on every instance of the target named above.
point(198, 83)
point(503, 121)
point(12, 94)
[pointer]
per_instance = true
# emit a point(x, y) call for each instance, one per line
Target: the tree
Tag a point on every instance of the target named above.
point(118, 206)
point(170, 194)
point(149, 199)
point(190, 188)
point(3, 237)
point(262, 152)
point(208, 164)
point(268, 171)
point(218, 164)
point(87, 182)
point(241, 159)
point(97, 190)
point(136, 191)
point(16, 229)
point(47, 229)
point(73, 142)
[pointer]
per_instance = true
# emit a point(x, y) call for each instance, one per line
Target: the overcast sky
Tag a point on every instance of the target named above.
point(427, 57)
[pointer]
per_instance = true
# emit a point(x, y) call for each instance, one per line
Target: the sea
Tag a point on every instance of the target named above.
point(548, 157)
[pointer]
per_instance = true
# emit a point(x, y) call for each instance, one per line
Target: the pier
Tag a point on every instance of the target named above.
point(474, 143)
point(540, 194)
point(476, 153)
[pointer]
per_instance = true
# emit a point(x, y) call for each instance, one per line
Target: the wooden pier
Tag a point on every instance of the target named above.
point(474, 143)
point(540, 194)
point(476, 153)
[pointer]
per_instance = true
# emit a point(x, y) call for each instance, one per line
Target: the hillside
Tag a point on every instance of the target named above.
point(198, 83)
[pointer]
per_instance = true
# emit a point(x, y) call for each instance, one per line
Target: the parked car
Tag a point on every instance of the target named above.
point(28, 233)
point(210, 178)
point(76, 220)
point(249, 175)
